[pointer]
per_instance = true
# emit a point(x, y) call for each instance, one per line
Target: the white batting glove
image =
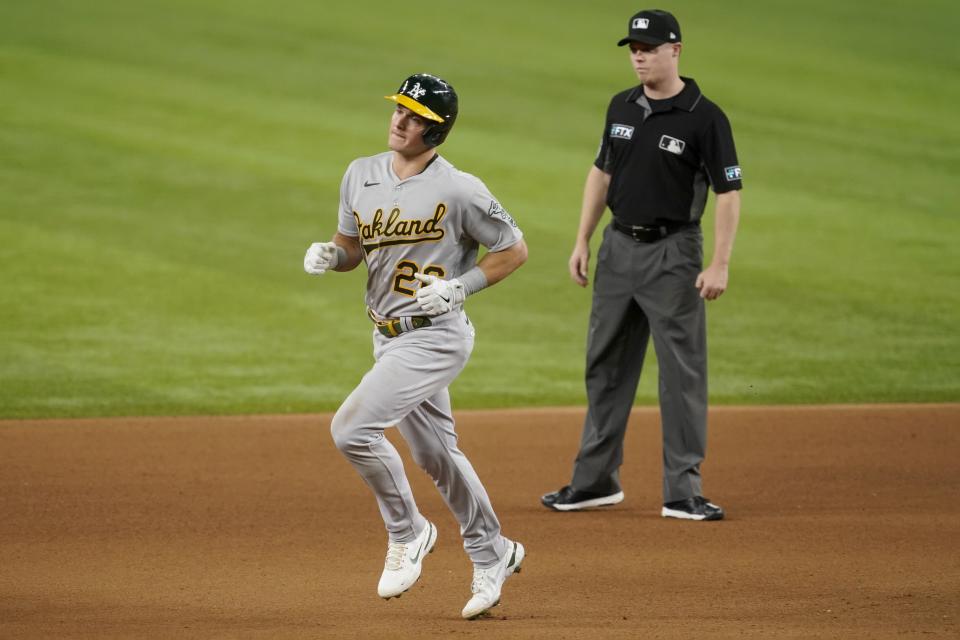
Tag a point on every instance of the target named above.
point(437, 295)
point(321, 257)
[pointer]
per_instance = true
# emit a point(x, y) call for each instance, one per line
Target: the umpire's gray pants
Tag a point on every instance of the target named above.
point(407, 387)
point(642, 289)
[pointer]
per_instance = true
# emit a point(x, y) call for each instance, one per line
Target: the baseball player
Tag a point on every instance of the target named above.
point(418, 222)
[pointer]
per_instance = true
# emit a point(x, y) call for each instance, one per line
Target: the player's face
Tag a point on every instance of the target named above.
point(652, 63)
point(406, 132)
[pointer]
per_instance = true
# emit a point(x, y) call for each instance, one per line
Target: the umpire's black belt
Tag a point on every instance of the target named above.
point(392, 327)
point(652, 233)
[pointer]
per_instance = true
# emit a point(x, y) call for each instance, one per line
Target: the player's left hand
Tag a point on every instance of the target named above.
point(437, 295)
point(712, 281)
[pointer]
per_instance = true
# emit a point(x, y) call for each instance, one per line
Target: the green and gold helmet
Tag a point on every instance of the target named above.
point(431, 98)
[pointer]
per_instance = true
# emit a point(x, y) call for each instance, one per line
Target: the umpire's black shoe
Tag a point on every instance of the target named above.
point(569, 499)
point(695, 508)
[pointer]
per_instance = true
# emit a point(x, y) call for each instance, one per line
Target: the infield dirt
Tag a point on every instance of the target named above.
point(843, 522)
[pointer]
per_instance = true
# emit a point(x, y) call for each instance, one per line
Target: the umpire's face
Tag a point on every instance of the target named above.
point(406, 132)
point(655, 63)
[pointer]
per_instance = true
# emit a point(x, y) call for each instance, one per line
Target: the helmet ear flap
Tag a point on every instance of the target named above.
point(430, 136)
point(435, 134)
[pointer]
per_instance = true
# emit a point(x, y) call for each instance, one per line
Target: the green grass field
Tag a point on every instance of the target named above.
point(164, 165)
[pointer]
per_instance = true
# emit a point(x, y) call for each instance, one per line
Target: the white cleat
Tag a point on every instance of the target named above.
point(487, 583)
point(401, 569)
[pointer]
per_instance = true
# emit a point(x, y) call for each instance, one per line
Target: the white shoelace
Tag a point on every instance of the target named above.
point(395, 553)
point(478, 577)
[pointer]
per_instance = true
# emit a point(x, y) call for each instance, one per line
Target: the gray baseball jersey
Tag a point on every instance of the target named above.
point(431, 223)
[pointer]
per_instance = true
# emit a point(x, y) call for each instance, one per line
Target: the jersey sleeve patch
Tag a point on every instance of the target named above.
point(622, 131)
point(498, 212)
point(733, 173)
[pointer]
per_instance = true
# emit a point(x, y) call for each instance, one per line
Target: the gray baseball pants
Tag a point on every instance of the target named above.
point(407, 387)
point(644, 289)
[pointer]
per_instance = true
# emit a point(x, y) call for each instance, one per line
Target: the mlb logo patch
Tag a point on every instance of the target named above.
point(621, 131)
point(733, 173)
point(673, 145)
point(641, 23)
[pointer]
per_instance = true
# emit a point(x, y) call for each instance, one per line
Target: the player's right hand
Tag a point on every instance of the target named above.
point(580, 264)
point(321, 257)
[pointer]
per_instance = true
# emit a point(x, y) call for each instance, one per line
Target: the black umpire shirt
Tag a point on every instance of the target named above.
point(662, 154)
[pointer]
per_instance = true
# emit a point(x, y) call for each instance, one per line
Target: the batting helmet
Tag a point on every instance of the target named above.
point(432, 98)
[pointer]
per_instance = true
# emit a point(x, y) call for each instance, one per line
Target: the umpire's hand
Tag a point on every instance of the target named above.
point(712, 281)
point(580, 264)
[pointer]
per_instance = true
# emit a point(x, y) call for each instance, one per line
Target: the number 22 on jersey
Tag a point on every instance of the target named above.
point(406, 269)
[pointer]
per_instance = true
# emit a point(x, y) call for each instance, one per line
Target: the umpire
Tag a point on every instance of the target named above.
point(664, 143)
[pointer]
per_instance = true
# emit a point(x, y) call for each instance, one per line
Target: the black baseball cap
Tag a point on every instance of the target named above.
point(652, 26)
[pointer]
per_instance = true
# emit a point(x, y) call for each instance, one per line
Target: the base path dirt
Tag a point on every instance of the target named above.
point(843, 522)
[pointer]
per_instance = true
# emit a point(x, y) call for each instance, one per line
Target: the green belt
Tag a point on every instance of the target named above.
point(392, 327)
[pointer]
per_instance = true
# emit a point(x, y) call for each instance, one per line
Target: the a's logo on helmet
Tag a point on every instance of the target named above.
point(417, 91)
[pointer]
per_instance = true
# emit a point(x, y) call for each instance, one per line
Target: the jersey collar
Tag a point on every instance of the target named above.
point(427, 169)
point(687, 99)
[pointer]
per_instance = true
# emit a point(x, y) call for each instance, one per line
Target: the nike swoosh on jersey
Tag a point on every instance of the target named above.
point(369, 184)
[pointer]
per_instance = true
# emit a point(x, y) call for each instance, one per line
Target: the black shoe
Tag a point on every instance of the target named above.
point(569, 499)
point(695, 508)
